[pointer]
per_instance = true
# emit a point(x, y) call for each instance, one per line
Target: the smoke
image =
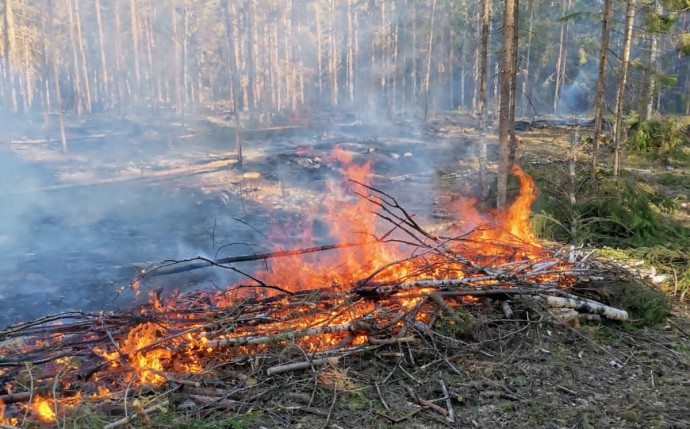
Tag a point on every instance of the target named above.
point(577, 94)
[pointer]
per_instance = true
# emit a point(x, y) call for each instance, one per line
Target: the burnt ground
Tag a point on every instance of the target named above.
point(78, 226)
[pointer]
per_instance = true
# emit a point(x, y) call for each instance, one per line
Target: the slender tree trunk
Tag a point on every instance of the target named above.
point(82, 56)
point(106, 94)
point(234, 70)
point(10, 52)
point(135, 43)
point(76, 73)
point(560, 61)
point(525, 98)
point(601, 82)
point(504, 109)
point(177, 62)
point(618, 129)
point(427, 78)
point(251, 78)
point(120, 78)
point(319, 52)
point(56, 79)
point(350, 51)
point(483, 75)
point(652, 72)
point(334, 57)
point(515, 46)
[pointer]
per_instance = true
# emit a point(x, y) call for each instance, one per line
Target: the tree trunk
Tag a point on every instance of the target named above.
point(106, 95)
point(319, 53)
point(427, 78)
point(618, 129)
point(601, 81)
point(56, 79)
point(525, 99)
point(135, 43)
point(333, 68)
point(504, 109)
point(76, 74)
point(251, 78)
point(10, 52)
point(82, 56)
point(560, 61)
point(483, 74)
point(652, 68)
point(235, 78)
point(515, 46)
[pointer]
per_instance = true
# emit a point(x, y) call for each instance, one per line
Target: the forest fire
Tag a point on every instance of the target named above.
point(367, 293)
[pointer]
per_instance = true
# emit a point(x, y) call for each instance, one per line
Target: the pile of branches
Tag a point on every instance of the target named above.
point(193, 338)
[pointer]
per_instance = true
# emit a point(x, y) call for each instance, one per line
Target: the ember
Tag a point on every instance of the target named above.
point(326, 301)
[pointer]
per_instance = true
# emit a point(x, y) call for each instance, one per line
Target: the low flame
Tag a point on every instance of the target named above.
point(11, 421)
point(43, 409)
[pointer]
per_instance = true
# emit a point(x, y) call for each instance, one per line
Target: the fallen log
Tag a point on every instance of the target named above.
point(585, 305)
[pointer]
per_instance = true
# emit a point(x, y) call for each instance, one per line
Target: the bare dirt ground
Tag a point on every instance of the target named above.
point(85, 222)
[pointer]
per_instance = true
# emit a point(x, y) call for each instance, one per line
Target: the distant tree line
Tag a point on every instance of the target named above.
point(301, 56)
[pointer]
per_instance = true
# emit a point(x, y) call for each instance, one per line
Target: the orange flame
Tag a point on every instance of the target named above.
point(6, 420)
point(494, 236)
point(42, 409)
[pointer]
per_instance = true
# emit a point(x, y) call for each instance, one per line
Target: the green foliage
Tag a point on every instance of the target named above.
point(658, 138)
point(684, 44)
point(625, 213)
point(660, 23)
point(646, 306)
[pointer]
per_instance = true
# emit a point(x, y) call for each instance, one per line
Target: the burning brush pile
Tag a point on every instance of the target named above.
point(386, 282)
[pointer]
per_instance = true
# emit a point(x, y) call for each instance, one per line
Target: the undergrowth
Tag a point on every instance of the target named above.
point(658, 138)
point(626, 214)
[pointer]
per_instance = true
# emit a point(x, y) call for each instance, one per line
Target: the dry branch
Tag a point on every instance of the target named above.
point(126, 420)
point(301, 365)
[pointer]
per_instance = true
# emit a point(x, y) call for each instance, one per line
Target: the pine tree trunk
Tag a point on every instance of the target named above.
point(82, 56)
point(652, 68)
point(10, 52)
point(560, 61)
point(76, 73)
point(504, 106)
point(334, 57)
point(319, 53)
point(483, 75)
point(106, 95)
point(618, 129)
point(525, 98)
point(235, 78)
point(601, 82)
point(515, 46)
point(135, 43)
point(427, 78)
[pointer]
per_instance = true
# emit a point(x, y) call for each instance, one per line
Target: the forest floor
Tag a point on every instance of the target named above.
point(534, 372)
